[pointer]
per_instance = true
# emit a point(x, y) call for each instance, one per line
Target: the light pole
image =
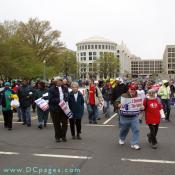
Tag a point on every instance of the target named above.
point(44, 70)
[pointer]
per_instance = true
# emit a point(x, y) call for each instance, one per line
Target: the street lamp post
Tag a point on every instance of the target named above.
point(44, 70)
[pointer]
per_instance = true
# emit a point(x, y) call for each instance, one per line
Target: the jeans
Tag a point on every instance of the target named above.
point(26, 115)
point(93, 112)
point(130, 123)
point(107, 108)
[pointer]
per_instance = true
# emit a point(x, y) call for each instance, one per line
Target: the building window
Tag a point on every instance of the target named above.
point(92, 55)
point(85, 47)
point(88, 46)
point(90, 58)
point(103, 47)
point(83, 56)
point(92, 46)
point(99, 46)
point(169, 54)
point(169, 49)
point(95, 46)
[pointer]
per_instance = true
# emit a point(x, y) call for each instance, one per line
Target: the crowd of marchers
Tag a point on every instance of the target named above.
point(66, 102)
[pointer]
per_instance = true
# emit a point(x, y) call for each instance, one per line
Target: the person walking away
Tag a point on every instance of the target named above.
point(152, 107)
point(107, 92)
point(57, 93)
point(76, 105)
point(164, 93)
point(6, 106)
point(42, 92)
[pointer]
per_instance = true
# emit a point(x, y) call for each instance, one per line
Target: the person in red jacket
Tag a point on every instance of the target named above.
point(152, 107)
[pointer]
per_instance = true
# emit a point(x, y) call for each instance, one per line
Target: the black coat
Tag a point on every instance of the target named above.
point(77, 107)
point(118, 91)
point(25, 94)
point(54, 97)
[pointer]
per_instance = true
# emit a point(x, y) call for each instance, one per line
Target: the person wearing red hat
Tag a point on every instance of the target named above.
point(128, 117)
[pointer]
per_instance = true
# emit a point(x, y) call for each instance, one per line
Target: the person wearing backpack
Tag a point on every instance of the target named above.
point(152, 107)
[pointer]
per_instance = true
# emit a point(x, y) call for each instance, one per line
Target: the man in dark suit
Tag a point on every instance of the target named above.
point(57, 93)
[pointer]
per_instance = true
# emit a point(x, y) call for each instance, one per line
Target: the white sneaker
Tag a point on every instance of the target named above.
point(121, 142)
point(136, 147)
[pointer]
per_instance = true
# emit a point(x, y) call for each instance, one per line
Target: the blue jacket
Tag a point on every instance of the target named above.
point(77, 108)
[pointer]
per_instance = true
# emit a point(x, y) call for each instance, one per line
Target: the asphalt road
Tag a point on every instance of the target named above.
point(33, 151)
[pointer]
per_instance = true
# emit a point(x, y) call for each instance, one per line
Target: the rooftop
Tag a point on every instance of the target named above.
point(96, 39)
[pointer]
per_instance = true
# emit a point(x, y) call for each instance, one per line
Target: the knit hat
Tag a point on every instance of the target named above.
point(7, 83)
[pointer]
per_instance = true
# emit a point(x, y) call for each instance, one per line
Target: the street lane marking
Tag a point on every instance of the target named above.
point(62, 156)
point(97, 125)
point(149, 161)
point(109, 119)
point(9, 153)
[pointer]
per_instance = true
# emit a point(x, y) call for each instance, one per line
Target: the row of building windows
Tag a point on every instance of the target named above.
point(171, 54)
point(99, 46)
point(171, 66)
point(171, 49)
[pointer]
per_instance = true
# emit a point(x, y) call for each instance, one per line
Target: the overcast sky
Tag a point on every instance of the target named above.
point(145, 26)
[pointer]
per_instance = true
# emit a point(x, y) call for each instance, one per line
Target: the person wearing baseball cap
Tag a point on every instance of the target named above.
point(128, 118)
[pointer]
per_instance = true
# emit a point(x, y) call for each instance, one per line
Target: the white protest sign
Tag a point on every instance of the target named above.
point(42, 104)
point(131, 106)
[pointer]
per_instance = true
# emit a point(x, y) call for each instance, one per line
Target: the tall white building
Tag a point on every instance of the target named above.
point(91, 49)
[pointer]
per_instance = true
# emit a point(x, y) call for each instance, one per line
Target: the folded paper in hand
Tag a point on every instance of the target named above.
point(42, 104)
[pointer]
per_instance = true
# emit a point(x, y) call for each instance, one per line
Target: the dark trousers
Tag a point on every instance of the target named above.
point(166, 108)
point(60, 123)
point(153, 133)
point(8, 115)
point(74, 122)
